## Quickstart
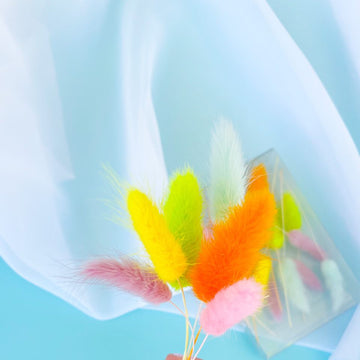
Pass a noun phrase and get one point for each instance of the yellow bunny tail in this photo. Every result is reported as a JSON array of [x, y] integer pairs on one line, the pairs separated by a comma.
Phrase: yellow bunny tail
[[262, 271], [165, 252]]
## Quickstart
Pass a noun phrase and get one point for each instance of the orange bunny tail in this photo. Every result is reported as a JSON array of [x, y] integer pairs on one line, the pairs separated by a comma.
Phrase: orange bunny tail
[[233, 251], [258, 178]]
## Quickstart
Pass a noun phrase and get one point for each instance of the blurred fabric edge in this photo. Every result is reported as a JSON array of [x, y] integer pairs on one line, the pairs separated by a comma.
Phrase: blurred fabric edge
[[49, 56]]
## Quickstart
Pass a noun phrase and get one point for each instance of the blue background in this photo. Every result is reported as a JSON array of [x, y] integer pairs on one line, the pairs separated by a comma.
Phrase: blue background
[[36, 325]]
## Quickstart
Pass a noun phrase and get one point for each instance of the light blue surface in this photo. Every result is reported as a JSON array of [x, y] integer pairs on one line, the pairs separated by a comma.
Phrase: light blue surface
[[37, 326]]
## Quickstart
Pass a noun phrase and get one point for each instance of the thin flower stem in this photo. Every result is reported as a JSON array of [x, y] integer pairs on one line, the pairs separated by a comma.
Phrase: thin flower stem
[[181, 312], [194, 327], [194, 343], [172, 303], [186, 320], [201, 346]]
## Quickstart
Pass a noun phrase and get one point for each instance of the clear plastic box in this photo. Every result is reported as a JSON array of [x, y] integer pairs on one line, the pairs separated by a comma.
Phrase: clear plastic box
[[310, 282]]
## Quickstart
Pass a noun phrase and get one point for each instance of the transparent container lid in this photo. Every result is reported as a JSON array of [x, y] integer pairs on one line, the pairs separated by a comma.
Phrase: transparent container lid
[[310, 282]]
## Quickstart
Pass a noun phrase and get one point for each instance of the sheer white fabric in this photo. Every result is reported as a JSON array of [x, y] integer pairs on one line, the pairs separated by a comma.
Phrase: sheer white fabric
[[346, 12], [137, 86]]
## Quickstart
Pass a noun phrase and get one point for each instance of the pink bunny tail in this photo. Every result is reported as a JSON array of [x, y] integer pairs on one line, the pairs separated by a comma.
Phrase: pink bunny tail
[[308, 276], [176, 357], [274, 302], [304, 243], [231, 305], [130, 276]]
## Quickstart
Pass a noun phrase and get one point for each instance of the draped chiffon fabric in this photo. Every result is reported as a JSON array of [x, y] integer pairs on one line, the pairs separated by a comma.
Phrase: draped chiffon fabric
[[137, 85]]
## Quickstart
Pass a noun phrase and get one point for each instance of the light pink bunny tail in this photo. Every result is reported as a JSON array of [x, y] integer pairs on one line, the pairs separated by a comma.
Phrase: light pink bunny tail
[[128, 275], [231, 305], [308, 276], [304, 243]]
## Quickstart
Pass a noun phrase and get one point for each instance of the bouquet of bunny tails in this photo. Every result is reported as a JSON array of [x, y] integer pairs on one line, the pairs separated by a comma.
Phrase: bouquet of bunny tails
[[213, 244]]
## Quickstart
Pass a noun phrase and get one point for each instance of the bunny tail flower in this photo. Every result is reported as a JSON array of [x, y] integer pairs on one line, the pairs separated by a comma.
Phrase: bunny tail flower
[[258, 178], [165, 252], [234, 249], [308, 277], [306, 244], [231, 305], [290, 213], [296, 289], [262, 271], [182, 209], [334, 282], [128, 275], [228, 171]]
